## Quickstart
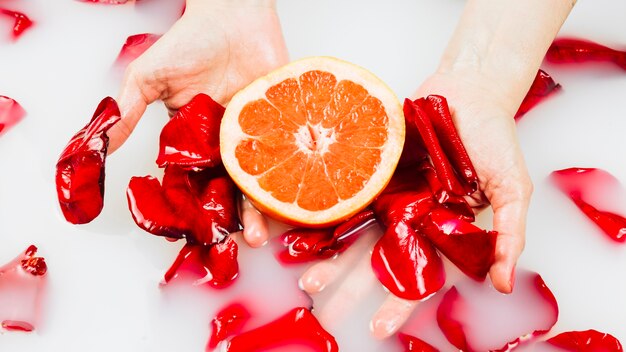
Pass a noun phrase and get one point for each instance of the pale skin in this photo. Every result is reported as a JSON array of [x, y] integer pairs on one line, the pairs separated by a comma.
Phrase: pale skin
[[220, 46]]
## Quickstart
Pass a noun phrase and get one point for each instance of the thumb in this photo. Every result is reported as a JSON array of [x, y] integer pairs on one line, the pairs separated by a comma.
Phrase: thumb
[[132, 101]]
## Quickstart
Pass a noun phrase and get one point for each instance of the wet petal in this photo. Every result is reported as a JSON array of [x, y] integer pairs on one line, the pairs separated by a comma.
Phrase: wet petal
[[571, 50], [134, 46], [586, 341], [80, 168], [191, 138], [543, 85], [228, 321], [22, 282], [10, 113], [22, 22]]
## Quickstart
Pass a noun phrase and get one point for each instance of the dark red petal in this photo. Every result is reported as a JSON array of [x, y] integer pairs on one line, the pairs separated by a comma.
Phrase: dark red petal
[[108, 2], [216, 196], [586, 341], [10, 113], [543, 85], [441, 119], [413, 344], [228, 321], [407, 264], [134, 46], [304, 245], [469, 247], [191, 138], [22, 282], [591, 189], [296, 328], [152, 211], [416, 115], [569, 50], [80, 169], [22, 22], [470, 312], [215, 264]]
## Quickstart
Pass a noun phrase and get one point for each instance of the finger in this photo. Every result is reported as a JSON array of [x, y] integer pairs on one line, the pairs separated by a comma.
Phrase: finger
[[132, 101], [353, 290], [509, 219], [255, 226], [324, 273], [391, 315]]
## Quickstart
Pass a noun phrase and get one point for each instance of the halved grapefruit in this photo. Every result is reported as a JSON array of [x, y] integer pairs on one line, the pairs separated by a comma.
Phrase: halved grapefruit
[[313, 142]]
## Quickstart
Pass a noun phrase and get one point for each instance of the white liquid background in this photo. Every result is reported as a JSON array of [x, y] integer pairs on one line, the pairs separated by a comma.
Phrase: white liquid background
[[103, 277]]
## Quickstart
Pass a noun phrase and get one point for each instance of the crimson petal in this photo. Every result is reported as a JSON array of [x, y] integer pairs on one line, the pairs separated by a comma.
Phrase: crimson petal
[[297, 327], [22, 22], [584, 184], [134, 46], [22, 281], [151, 210], [470, 312], [108, 2], [80, 168], [228, 321], [570, 50], [469, 247], [310, 244], [215, 264], [10, 113], [586, 341], [407, 264], [543, 85], [414, 344], [191, 138]]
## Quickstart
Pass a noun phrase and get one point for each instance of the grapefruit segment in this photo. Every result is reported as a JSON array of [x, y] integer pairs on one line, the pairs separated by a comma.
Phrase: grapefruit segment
[[313, 142]]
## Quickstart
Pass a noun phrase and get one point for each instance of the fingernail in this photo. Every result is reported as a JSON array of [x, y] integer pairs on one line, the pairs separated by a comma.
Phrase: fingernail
[[311, 285], [382, 328]]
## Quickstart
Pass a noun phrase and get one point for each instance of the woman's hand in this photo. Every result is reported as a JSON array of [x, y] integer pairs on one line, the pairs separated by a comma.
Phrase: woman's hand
[[217, 47]]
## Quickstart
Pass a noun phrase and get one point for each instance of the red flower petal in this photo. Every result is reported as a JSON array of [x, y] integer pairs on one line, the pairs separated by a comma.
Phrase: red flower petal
[[304, 244], [151, 210], [456, 238], [591, 189], [22, 22], [108, 2], [569, 50], [470, 313], [191, 138], [134, 46], [80, 169], [215, 264], [228, 321], [407, 264], [543, 85], [10, 113], [586, 341], [22, 281], [296, 328], [413, 344]]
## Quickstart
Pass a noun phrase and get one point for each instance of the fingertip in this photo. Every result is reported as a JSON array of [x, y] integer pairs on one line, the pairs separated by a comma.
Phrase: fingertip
[[502, 275], [315, 279], [255, 227], [392, 314]]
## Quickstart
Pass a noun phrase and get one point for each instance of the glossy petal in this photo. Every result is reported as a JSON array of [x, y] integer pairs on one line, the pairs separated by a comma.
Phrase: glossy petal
[[586, 341], [296, 328], [215, 264], [10, 113], [22, 22], [80, 168], [543, 86], [228, 321], [407, 264], [469, 247], [304, 244], [475, 317], [591, 189], [191, 138], [134, 46], [22, 282], [151, 209], [570, 50], [108, 2], [413, 344]]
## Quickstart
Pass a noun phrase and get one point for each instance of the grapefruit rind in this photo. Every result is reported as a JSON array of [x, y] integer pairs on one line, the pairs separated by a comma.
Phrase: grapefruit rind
[[231, 134]]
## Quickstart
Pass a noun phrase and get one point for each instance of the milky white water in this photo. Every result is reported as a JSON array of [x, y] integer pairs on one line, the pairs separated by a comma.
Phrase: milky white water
[[103, 291]]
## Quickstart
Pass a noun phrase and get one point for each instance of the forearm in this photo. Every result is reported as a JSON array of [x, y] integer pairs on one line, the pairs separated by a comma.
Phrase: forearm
[[504, 41]]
